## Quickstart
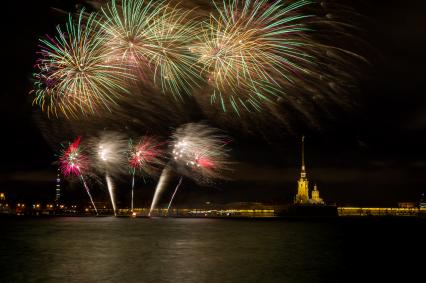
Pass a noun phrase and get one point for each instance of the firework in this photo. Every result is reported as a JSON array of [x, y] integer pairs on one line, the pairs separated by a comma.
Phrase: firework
[[162, 183], [248, 47], [74, 75], [109, 150], [129, 31], [73, 162], [145, 156], [199, 152], [154, 38], [111, 190], [110, 158], [174, 193]]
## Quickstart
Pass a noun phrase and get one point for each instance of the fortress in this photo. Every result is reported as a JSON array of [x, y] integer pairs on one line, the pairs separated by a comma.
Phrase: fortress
[[302, 196]]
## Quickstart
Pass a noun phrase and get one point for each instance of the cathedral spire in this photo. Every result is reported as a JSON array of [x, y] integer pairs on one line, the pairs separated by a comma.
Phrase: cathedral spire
[[302, 196], [303, 172]]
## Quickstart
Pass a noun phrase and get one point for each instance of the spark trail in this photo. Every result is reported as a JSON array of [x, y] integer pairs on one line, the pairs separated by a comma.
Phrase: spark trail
[[133, 193], [174, 193], [162, 182], [111, 192], [88, 192]]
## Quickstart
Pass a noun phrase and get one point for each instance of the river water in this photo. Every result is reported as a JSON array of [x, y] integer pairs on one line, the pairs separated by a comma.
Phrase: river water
[[108, 249]]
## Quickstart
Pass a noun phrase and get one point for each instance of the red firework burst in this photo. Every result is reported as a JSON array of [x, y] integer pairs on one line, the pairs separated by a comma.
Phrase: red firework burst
[[72, 161], [146, 154]]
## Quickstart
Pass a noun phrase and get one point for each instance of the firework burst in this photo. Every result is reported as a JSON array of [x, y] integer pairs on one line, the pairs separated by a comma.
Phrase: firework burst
[[248, 46], [74, 74], [110, 158], [73, 162], [200, 152], [109, 152], [153, 38], [146, 156], [128, 30]]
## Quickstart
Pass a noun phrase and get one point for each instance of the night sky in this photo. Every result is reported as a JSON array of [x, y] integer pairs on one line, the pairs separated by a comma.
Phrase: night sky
[[372, 156]]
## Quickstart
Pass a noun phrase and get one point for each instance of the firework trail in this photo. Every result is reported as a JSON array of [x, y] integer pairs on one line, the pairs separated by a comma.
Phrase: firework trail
[[133, 193], [73, 73], [199, 152], [88, 192], [110, 158], [111, 192], [162, 182], [146, 157], [174, 193], [72, 162], [152, 38]]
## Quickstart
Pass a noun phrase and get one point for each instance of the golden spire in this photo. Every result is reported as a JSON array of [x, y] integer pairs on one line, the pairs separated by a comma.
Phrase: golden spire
[[303, 172]]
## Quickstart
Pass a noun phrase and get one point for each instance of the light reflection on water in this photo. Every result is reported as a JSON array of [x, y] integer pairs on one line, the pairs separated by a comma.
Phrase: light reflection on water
[[109, 249]]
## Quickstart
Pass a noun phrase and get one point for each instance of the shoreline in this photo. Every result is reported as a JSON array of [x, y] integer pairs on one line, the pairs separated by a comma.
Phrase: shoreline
[[302, 218]]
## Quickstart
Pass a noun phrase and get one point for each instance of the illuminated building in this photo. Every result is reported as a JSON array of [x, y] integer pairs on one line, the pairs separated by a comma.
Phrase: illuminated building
[[303, 183], [4, 207], [316, 197], [381, 211], [406, 205], [302, 196], [422, 203], [58, 187], [20, 209]]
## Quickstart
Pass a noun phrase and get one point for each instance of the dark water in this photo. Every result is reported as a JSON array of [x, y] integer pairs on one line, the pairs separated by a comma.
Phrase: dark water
[[209, 250]]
